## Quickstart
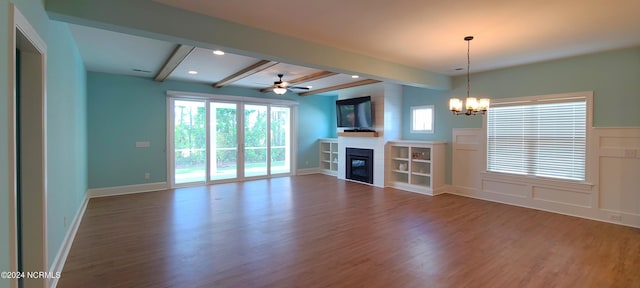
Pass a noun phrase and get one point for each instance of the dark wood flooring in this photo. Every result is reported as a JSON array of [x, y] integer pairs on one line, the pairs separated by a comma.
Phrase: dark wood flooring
[[318, 231]]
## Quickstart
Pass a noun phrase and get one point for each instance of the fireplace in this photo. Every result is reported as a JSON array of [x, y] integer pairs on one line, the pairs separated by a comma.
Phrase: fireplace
[[359, 165]]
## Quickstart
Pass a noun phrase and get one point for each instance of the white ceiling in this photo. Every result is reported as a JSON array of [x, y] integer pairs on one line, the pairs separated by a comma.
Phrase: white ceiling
[[119, 53], [427, 34]]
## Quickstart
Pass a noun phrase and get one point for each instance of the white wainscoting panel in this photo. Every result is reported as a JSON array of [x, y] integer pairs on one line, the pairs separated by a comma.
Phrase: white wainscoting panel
[[561, 196], [620, 184], [467, 159], [619, 174], [614, 195], [506, 188]]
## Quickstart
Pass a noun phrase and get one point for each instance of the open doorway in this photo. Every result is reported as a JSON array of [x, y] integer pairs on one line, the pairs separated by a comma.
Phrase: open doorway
[[27, 143]]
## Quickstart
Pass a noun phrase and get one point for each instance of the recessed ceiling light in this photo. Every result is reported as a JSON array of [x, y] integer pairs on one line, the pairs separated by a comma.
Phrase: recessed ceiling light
[[193, 72], [355, 76], [218, 52]]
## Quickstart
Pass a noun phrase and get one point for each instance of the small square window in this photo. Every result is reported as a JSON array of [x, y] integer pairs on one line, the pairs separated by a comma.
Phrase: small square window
[[422, 119]]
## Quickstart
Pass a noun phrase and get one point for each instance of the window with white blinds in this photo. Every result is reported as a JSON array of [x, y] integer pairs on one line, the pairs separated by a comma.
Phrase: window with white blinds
[[538, 138]]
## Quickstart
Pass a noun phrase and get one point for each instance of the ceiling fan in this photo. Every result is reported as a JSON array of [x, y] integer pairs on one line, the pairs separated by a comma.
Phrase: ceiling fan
[[280, 87]]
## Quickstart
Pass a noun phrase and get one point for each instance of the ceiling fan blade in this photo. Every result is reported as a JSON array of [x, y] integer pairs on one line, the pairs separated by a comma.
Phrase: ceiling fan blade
[[298, 87]]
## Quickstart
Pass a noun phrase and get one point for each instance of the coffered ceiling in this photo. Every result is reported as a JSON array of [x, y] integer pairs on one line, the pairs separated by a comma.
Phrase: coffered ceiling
[[119, 53], [425, 35]]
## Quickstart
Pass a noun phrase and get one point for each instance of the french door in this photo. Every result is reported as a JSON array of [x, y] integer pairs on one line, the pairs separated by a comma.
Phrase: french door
[[220, 141]]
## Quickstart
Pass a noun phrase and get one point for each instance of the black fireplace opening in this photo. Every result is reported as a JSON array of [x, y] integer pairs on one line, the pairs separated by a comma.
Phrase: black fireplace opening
[[359, 165]]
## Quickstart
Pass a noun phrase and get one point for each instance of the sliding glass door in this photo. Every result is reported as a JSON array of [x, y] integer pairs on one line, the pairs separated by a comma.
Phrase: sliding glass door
[[255, 140], [223, 141], [280, 148], [215, 141], [189, 141]]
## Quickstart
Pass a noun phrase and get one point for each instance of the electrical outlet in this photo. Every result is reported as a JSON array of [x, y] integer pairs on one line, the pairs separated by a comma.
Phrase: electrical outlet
[[615, 217], [147, 175]]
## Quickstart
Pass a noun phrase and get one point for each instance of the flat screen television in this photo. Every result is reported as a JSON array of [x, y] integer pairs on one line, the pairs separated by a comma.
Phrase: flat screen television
[[356, 114]]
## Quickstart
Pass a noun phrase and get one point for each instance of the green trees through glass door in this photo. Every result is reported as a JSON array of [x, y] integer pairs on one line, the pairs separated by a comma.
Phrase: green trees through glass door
[[267, 140]]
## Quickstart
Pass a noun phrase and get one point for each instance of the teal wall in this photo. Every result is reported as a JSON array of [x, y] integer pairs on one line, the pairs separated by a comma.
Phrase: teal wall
[[66, 129], [613, 76], [316, 119], [67, 133], [4, 141], [126, 109], [443, 119]]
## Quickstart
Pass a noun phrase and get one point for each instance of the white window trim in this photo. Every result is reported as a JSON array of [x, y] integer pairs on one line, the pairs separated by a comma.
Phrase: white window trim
[[589, 158], [218, 97], [433, 124]]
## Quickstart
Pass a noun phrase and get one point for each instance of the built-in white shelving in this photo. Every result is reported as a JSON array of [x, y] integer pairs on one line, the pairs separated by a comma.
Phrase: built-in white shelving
[[329, 156], [416, 166]]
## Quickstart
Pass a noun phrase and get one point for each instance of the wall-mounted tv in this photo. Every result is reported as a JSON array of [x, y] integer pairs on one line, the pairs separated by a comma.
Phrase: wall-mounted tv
[[355, 113]]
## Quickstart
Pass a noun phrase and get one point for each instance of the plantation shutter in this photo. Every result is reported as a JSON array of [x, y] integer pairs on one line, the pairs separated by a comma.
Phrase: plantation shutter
[[545, 139]]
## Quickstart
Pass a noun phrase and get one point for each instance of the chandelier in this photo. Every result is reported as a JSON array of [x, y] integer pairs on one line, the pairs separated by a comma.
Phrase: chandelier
[[473, 105]]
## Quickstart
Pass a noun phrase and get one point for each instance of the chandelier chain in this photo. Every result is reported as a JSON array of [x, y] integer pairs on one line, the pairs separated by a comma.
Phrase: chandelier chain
[[468, 66]]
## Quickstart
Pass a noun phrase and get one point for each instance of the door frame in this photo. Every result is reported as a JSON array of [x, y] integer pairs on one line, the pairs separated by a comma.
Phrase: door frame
[[33, 98], [241, 101], [171, 145]]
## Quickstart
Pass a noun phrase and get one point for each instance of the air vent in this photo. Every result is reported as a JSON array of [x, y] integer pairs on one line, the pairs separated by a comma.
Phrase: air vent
[[141, 71]]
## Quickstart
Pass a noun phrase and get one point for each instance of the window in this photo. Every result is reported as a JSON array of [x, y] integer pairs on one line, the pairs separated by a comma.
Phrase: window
[[422, 119], [542, 136]]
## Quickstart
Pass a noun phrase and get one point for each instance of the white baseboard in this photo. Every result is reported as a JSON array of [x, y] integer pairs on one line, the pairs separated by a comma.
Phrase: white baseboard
[[308, 171], [129, 189], [602, 215], [63, 252], [441, 190]]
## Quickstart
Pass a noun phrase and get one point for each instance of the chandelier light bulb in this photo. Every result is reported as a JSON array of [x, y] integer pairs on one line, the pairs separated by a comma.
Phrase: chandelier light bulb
[[455, 105], [472, 104], [484, 104]]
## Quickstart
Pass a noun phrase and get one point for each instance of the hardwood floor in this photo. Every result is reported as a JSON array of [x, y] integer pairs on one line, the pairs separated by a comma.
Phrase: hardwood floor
[[317, 231]]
